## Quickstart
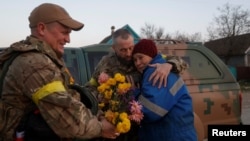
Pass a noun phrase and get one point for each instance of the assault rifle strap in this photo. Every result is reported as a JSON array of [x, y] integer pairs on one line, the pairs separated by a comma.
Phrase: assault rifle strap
[[5, 68]]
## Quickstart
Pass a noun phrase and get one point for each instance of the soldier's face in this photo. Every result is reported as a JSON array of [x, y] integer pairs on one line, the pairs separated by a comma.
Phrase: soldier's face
[[124, 48], [141, 61], [57, 35]]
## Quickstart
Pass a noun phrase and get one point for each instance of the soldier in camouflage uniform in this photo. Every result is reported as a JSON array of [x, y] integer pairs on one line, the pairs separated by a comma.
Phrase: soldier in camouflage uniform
[[120, 61], [38, 79]]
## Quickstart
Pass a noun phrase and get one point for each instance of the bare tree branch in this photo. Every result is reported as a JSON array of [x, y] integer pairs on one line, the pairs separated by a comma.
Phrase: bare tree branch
[[232, 21], [151, 32]]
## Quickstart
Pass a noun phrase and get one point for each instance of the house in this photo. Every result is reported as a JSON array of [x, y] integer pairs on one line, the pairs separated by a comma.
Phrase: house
[[108, 39], [234, 51]]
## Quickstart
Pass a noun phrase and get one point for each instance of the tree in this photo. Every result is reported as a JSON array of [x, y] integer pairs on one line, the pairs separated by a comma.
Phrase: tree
[[232, 21], [150, 31], [159, 33]]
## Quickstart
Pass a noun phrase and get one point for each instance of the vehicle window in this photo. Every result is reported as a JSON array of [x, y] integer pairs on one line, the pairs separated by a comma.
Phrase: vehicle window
[[200, 66], [94, 58]]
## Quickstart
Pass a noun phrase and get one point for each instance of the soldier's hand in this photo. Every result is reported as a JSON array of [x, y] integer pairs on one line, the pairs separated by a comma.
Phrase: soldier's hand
[[108, 129], [160, 74]]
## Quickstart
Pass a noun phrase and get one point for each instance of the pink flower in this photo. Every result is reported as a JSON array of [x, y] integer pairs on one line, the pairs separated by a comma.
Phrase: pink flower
[[137, 117], [103, 77], [135, 106], [136, 113]]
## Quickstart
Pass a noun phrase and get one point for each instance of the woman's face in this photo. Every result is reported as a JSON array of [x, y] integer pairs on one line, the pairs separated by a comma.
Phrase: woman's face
[[141, 61]]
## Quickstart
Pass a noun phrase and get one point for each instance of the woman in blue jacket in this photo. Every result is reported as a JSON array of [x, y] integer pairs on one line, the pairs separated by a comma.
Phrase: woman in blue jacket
[[168, 111]]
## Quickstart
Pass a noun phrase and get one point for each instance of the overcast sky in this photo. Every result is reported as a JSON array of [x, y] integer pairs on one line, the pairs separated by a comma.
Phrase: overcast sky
[[186, 16]]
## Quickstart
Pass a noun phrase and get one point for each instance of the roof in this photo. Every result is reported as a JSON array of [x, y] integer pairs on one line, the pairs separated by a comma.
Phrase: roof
[[108, 39], [237, 45]]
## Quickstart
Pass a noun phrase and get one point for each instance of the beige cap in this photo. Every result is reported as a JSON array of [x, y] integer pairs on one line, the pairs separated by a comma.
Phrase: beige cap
[[49, 12]]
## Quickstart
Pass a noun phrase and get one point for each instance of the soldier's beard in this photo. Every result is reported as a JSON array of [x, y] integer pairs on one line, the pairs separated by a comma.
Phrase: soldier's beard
[[125, 61]]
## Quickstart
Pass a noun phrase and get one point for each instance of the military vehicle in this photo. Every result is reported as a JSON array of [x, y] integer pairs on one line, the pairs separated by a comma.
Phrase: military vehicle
[[215, 92]]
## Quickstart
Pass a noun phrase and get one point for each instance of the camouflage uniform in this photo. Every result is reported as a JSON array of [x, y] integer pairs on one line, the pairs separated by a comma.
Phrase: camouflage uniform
[[111, 64], [38, 76]]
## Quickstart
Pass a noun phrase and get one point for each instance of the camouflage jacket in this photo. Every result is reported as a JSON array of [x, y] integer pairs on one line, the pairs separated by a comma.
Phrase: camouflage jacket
[[38, 76]]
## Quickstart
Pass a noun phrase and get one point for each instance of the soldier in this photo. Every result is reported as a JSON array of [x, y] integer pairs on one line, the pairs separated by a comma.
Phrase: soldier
[[120, 61], [36, 101]]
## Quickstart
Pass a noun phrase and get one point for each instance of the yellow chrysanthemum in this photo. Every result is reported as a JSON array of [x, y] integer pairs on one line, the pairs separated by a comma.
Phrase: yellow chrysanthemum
[[123, 116], [109, 115], [108, 94], [120, 78], [111, 81], [101, 105], [124, 126], [115, 117], [123, 88], [103, 87]]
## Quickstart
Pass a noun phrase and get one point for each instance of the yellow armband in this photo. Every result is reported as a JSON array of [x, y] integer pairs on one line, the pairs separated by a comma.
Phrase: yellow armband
[[50, 88]]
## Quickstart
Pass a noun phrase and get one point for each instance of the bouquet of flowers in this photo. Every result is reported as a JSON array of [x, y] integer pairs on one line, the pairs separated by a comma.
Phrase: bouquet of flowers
[[117, 102]]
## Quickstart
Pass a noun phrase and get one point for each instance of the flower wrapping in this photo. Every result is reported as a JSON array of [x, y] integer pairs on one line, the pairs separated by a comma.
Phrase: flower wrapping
[[117, 102]]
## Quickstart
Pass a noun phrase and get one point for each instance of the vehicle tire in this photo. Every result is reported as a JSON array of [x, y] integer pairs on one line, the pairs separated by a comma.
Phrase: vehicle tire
[[199, 127]]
